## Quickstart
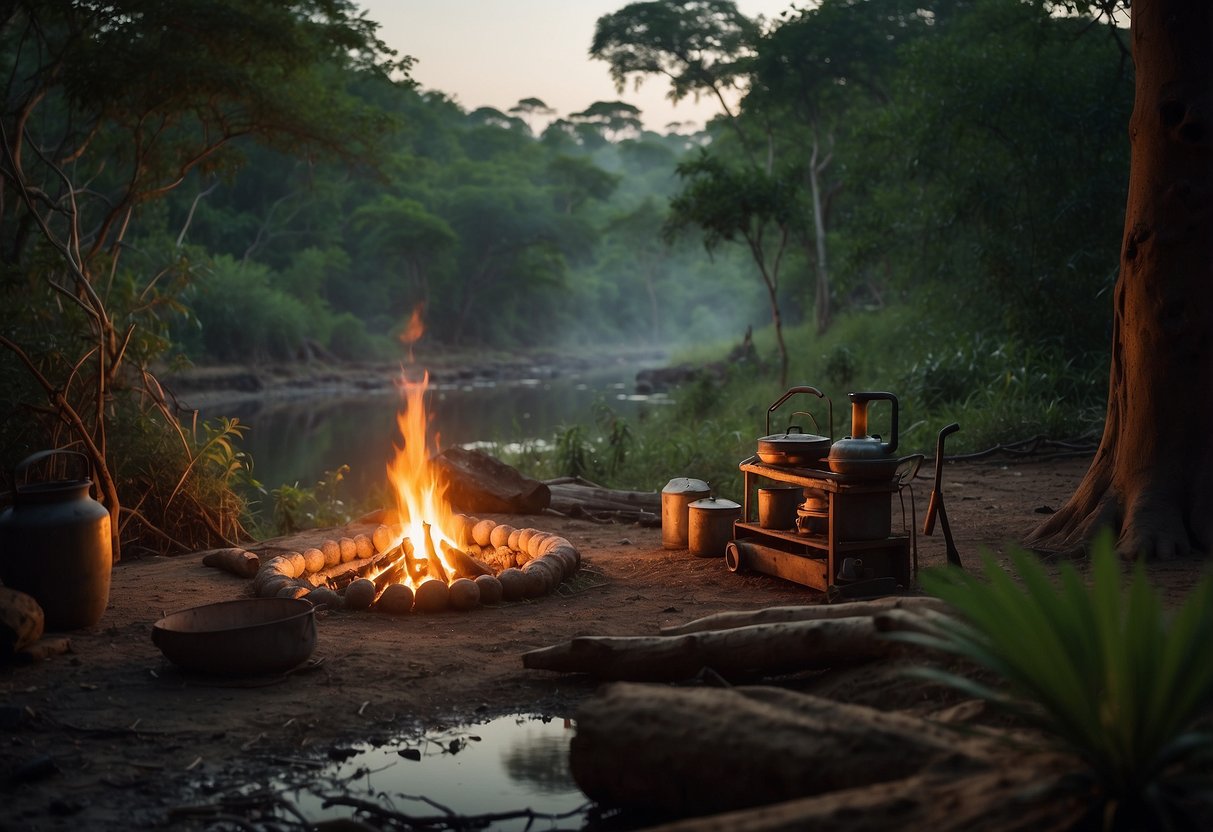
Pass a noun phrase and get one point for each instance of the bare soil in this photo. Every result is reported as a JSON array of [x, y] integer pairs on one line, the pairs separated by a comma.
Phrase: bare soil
[[111, 736]]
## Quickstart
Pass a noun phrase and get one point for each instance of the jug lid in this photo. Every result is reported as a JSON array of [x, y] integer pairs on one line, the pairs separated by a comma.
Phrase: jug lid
[[686, 485], [715, 504]]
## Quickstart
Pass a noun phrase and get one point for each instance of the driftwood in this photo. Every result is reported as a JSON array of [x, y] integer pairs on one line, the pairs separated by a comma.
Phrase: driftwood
[[738, 653], [479, 483], [807, 612], [709, 750]]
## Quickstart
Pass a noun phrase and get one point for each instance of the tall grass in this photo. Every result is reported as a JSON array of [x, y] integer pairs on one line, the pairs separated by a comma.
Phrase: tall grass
[[999, 390]]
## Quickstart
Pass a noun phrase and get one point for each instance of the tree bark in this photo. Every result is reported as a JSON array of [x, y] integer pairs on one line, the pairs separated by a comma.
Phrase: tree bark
[[1152, 478], [710, 750]]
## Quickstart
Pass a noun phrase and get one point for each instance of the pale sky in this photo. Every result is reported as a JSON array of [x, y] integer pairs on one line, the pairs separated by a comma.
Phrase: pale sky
[[496, 52]]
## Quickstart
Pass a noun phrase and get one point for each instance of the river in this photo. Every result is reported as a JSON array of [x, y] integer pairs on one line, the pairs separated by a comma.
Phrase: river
[[299, 439]]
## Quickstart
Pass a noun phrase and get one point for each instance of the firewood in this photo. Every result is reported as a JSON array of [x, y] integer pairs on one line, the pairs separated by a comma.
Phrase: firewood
[[21, 621], [236, 561], [807, 612], [737, 653], [715, 749], [465, 565], [478, 482]]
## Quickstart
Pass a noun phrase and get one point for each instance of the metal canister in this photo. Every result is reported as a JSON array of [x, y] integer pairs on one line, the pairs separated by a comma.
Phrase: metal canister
[[710, 525], [55, 546], [678, 494]]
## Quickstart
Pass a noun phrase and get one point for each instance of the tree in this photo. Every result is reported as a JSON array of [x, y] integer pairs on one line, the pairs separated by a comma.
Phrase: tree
[[750, 205], [808, 71], [1152, 478], [108, 108], [699, 45]]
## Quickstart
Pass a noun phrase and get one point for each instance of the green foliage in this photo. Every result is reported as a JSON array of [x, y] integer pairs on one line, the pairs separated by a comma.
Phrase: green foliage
[[321, 505], [1104, 671]]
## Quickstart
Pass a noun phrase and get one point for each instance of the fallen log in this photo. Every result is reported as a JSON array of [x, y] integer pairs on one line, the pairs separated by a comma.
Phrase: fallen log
[[1023, 794], [709, 750], [805, 612], [603, 499], [739, 653], [478, 482], [236, 561]]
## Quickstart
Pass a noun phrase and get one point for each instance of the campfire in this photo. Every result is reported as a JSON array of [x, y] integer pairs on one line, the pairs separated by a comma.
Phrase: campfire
[[430, 558]]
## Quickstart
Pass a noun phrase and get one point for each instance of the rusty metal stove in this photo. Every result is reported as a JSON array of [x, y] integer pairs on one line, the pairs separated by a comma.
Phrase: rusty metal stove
[[843, 542]]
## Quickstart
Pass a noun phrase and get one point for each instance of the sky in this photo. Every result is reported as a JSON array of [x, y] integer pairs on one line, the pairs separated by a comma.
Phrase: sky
[[496, 52]]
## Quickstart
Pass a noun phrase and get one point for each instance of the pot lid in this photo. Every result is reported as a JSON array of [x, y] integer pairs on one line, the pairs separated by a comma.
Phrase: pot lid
[[686, 485], [794, 438], [715, 504]]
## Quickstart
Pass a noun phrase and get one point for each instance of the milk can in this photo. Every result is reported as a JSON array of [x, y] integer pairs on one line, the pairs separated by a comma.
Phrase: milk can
[[55, 546], [678, 494], [710, 526]]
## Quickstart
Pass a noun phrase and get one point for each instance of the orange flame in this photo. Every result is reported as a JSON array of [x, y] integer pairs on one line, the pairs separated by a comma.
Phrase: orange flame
[[425, 515]]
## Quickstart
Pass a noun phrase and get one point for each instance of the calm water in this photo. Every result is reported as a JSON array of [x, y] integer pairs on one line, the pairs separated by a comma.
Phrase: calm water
[[507, 765], [298, 440]]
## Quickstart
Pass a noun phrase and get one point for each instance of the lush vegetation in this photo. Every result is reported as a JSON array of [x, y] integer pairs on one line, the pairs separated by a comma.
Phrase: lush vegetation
[[924, 197], [1103, 671]]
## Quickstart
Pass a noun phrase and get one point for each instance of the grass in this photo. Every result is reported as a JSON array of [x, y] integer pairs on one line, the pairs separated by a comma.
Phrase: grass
[[998, 391]]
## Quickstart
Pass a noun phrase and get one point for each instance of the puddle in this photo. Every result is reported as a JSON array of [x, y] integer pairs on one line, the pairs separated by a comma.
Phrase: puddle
[[508, 765]]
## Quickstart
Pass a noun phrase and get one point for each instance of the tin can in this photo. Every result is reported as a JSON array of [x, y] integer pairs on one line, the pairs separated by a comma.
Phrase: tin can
[[676, 497]]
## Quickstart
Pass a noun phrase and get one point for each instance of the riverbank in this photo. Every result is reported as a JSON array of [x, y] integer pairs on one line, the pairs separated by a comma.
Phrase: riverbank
[[207, 387]]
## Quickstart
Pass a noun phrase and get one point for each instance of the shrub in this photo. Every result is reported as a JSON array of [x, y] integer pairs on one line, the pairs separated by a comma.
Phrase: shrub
[[1105, 673]]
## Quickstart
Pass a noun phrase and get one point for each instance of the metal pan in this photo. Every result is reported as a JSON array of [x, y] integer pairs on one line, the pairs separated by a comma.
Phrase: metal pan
[[239, 638]]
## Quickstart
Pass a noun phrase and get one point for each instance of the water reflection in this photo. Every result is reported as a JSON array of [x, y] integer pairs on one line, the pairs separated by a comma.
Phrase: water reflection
[[507, 765], [298, 440]]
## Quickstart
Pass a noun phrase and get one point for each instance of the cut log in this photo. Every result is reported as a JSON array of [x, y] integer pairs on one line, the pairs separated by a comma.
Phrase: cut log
[[1007, 799], [236, 561], [709, 750], [740, 653], [21, 621], [806, 612], [479, 483]]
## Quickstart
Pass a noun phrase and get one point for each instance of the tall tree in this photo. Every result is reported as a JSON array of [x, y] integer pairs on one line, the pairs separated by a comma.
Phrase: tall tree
[[1152, 477], [111, 106], [741, 205], [699, 45]]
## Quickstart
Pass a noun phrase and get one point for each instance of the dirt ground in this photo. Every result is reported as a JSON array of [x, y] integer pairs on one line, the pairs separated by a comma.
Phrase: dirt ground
[[111, 736]]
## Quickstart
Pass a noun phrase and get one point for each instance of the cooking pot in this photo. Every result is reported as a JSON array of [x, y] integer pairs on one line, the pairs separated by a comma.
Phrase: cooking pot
[[777, 506], [239, 638], [793, 446]]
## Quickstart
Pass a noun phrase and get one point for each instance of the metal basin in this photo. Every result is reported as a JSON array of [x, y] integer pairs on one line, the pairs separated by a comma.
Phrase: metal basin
[[239, 638]]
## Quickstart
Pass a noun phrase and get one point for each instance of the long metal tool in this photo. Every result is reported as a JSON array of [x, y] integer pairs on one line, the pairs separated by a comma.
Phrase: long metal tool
[[935, 506]]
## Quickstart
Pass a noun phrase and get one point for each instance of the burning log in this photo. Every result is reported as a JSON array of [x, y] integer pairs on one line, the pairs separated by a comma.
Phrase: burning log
[[465, 565]]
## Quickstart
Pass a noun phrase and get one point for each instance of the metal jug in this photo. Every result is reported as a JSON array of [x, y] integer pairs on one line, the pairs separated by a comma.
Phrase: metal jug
[[55, 546]]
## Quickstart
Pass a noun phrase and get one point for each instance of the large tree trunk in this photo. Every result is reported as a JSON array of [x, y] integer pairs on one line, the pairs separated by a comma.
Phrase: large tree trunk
[[1152, 478]]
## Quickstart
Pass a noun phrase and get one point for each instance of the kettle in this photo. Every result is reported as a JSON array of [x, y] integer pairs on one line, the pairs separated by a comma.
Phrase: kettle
[[860, 454]]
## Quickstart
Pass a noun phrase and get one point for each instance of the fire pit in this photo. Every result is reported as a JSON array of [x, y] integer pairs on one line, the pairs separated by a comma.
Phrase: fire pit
[[492, 562], [433, 559]]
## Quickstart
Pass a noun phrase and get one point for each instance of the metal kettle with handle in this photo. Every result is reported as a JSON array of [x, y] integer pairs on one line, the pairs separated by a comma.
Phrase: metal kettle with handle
[[860, 454]]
